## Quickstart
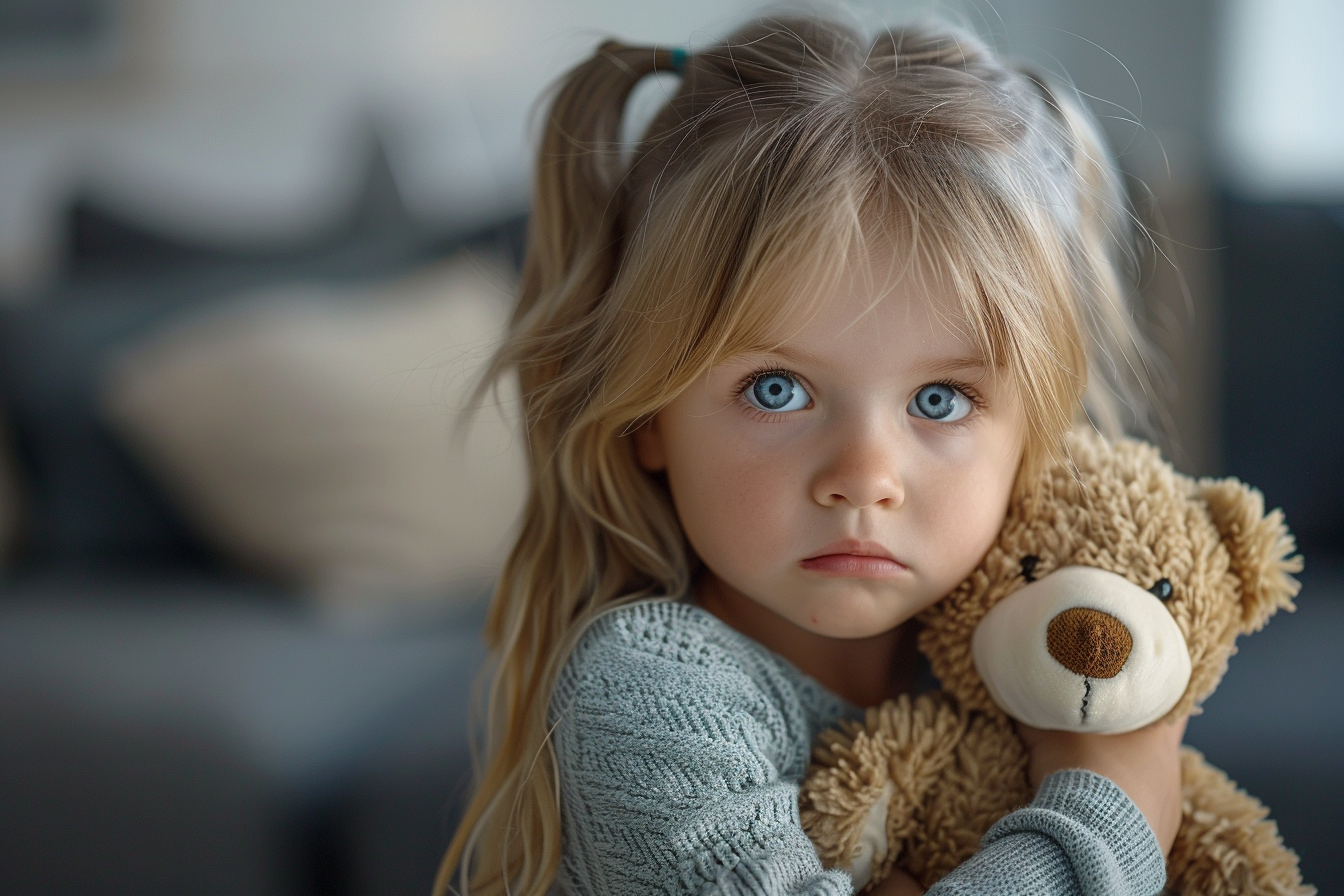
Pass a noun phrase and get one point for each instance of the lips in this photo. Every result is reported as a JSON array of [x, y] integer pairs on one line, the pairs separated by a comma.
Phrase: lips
[[854, 547], [851, 557]]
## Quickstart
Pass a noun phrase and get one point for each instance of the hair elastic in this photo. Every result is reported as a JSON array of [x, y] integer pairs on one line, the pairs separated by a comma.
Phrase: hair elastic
[[678, 59]]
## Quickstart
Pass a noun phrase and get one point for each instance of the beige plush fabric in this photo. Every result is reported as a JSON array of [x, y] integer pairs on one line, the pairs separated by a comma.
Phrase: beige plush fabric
[[313, 433]]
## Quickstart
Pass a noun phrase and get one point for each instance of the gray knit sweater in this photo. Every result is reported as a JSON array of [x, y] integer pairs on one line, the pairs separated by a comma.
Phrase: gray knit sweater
[[681, 743]]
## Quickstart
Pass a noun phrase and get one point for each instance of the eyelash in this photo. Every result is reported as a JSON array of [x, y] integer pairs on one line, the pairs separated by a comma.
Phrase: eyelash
[[965, 388], [976, 400], [754, 412]]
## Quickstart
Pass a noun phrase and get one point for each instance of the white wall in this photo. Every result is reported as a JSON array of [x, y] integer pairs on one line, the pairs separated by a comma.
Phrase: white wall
[[247, 122], [1281, 98]]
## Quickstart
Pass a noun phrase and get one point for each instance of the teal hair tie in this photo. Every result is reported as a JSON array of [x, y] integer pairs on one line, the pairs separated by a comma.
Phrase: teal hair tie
[[678, 59]]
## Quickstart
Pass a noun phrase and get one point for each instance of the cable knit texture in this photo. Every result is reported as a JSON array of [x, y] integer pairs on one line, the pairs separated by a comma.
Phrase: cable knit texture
[[680, 744]]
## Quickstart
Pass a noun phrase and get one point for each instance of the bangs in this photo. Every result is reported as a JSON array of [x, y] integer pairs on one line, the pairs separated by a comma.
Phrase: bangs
[[730, 260], [991, 235], [787, 274]]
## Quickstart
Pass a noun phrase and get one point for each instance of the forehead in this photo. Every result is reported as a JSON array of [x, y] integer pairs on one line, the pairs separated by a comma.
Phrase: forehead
[[883, 303]]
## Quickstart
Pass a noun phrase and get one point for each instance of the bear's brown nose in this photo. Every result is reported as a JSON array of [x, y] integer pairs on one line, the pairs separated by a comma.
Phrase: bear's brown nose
[[1089, 642]]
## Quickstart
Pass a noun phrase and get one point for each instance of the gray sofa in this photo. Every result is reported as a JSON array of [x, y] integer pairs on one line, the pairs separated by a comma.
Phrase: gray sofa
[[171, 725], [177, 734]]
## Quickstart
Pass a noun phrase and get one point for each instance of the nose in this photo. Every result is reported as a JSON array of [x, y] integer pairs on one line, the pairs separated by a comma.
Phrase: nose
[[1089, 642], [862, 473]]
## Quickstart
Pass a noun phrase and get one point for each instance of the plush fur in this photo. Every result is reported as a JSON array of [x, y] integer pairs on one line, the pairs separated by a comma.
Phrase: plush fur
[[921, 780]]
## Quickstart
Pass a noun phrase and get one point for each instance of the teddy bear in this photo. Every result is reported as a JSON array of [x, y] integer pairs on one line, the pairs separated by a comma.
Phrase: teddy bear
[[1111, 598]]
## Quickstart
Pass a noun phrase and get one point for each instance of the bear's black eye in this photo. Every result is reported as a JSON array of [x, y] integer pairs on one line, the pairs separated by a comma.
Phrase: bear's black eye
[[1161, 589], [1029, 563]]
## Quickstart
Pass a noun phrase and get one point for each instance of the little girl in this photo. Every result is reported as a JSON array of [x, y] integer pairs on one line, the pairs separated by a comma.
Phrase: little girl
[[780, 367]]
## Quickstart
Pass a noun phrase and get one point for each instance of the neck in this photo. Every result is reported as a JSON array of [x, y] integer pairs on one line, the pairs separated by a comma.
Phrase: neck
[[864, 671]]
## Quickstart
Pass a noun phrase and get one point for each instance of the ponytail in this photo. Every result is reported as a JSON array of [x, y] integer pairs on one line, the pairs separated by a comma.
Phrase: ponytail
[[508, 840], [574, 234]]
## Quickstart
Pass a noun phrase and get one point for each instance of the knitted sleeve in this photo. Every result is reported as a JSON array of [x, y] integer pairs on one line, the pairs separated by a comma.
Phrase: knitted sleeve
[[1080, 836], [678, 763]]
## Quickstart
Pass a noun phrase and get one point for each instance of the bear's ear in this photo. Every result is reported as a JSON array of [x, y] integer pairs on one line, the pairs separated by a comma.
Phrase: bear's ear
[[1261, 547]]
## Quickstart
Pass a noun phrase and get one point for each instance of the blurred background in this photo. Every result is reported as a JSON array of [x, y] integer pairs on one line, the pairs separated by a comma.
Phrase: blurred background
[[252, 254]]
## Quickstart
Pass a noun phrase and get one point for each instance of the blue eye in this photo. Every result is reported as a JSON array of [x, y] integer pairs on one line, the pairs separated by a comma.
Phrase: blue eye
[[941, 402], [777, 392]]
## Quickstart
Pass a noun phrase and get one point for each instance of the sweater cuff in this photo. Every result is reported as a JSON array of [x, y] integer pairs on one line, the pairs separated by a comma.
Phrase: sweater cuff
[[1108, 842]]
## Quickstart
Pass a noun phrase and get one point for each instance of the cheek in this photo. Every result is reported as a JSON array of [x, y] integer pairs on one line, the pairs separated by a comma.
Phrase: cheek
[[731, 503], [981, 515], [966, 510]]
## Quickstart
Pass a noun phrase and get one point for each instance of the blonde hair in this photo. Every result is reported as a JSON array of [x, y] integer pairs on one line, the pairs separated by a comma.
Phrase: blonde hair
[[784, 149]]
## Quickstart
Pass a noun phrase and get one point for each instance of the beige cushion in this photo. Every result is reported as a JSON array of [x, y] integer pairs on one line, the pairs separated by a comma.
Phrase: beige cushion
[[312, 433]]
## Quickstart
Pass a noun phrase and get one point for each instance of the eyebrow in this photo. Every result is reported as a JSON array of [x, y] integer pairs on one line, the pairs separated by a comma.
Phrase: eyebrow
[[953, 365], [933, 366], [793, 355]]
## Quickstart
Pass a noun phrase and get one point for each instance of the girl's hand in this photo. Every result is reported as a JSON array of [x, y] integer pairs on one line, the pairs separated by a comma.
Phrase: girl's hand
[[898, 883], [1144, 764]]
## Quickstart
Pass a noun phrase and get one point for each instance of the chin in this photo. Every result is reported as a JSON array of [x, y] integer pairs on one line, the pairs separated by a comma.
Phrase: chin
[[859, 633], [849, 623]]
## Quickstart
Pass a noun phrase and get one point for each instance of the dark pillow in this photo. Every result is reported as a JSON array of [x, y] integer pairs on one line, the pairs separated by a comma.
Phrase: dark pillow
[[88, 503]]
